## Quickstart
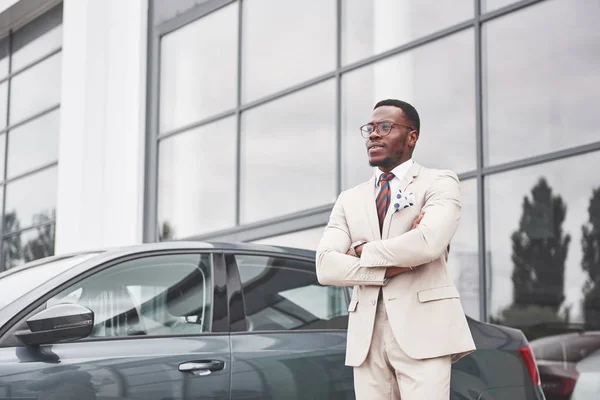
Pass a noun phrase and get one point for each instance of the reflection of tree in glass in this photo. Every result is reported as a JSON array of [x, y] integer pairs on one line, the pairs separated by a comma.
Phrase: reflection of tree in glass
[[12, 244], [166, 232], [539, 253], [42, 245], [590, 243]]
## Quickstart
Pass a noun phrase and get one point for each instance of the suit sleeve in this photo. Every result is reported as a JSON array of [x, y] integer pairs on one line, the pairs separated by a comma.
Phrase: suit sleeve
[[334, 266], [429, 240]]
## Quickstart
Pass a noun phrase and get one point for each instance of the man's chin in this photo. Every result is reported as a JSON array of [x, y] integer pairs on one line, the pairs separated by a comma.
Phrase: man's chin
[[379, 163]]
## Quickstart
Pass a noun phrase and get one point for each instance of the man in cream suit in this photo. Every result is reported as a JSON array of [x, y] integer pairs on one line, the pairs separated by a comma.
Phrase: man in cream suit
[[406, 323]]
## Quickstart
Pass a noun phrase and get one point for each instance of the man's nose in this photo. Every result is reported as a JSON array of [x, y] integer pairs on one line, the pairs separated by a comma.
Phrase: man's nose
[[375, 133]]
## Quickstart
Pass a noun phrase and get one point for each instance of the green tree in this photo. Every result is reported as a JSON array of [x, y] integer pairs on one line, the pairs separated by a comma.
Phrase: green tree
[[539, 251], [590, 244]]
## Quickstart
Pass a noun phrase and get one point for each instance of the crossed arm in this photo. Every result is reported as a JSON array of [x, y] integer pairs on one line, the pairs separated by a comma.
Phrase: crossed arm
[[393, 271], [379, 260]]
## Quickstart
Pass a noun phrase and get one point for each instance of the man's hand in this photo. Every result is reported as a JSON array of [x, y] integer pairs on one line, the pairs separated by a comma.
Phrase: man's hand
[[393, 271], [358, 250], [417, 220]]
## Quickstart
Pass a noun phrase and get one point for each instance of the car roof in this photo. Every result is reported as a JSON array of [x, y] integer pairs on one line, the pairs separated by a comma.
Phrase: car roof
[[208, 245], [119, 251]]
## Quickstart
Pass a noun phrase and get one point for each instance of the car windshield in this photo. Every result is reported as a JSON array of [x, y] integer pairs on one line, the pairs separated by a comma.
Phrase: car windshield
[[16, 282]]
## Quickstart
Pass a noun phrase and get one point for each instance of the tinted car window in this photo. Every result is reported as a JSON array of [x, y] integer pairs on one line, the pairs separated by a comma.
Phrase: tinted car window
[[159, 295], [284, 294]]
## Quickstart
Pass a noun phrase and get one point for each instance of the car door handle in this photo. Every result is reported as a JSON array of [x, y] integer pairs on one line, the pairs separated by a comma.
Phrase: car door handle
[[202, 368]]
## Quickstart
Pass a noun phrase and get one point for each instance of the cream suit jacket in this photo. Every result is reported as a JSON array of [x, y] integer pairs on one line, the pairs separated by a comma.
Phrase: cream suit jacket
[[423, 305]]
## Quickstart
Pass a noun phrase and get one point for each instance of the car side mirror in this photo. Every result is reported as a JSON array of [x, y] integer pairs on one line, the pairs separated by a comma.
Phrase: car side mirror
[[59, 323]]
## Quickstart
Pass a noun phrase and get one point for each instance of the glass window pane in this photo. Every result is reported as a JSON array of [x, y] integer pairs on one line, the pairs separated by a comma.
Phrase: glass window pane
[[463, 261], [286, 43], [37, 39], [42, 79], [491, 5], [3, 105], [28, 245], [2, 187], [307, 239], [3, 57], [2, 154], [443, 93], [541, 83], [196, 180], [162, 11], [198, 69], [160, 295], [31, 200], [373, 27], [33, 144], [543, 242], [288, 154], [284, 294], [37, 48]]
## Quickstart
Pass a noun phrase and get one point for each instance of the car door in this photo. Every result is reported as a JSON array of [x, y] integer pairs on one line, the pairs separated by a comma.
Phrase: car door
[[160, 332], [288, 332]]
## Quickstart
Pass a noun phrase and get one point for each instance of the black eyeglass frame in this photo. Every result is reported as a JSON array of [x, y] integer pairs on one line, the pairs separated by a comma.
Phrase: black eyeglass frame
[[376, 128]]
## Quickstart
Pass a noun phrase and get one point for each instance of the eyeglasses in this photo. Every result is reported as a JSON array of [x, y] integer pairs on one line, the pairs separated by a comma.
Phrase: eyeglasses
[[384, 128]]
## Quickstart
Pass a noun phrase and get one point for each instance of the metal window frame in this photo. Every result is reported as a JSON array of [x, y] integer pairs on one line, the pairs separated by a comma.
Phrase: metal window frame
[[318, 216]]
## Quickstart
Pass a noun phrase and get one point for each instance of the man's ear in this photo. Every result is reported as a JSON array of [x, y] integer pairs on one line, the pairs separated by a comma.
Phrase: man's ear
[[413, 136]]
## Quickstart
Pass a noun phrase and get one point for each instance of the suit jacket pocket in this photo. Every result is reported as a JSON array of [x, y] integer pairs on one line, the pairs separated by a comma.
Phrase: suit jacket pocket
[[438, 293]]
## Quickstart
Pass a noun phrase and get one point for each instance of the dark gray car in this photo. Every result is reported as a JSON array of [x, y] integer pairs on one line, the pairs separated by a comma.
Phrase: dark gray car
[[188, 320]]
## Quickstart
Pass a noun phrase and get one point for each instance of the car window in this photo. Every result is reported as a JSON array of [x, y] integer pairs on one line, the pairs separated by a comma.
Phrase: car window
[[284, 294], [158, 295]]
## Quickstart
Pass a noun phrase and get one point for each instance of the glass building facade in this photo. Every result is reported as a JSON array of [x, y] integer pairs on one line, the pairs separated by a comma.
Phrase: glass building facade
[[30, 83], [256, 104], [253, 131]]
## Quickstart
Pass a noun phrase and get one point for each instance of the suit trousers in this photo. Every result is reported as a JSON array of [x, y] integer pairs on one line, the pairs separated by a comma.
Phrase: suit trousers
[[389, 373]]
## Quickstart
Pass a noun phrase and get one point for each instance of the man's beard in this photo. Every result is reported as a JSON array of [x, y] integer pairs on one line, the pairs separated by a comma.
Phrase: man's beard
[[386, 163]]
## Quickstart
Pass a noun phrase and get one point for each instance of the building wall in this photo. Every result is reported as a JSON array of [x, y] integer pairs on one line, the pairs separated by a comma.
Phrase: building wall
[[101, 169]]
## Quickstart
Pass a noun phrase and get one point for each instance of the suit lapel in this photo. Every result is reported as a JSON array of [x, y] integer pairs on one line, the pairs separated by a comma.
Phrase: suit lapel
[[368, 194], [409, 177]]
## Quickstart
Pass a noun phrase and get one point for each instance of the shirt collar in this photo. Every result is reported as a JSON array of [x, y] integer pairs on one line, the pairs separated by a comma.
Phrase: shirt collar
[[398, 172]]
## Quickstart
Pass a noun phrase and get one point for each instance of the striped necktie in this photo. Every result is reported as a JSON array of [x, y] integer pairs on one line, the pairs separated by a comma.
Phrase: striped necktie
[[383, 198]]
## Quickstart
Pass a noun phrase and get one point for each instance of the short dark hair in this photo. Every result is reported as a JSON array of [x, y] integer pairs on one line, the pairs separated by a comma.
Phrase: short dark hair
[[409, 110]]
